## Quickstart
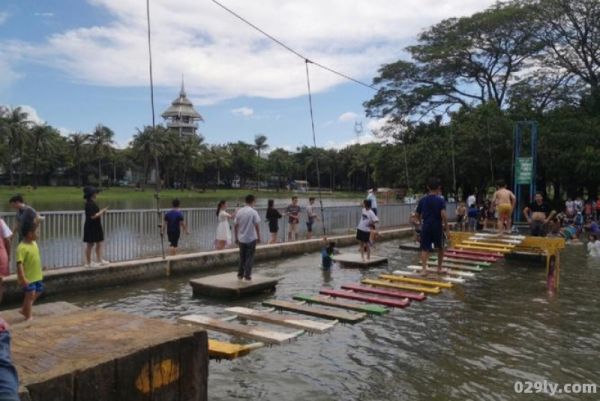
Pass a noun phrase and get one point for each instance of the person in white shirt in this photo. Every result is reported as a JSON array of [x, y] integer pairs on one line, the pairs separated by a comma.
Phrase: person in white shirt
[[471, 200], [247, 235], [593, 246], [5, 236], [368, 222]]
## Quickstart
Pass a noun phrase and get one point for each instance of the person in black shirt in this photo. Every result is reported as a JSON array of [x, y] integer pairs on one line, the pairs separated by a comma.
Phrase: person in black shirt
[[272, 218], [538, 214], [93, 234]]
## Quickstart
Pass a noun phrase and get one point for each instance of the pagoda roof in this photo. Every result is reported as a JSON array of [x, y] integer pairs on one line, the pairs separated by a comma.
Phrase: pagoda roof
[[182, 107]]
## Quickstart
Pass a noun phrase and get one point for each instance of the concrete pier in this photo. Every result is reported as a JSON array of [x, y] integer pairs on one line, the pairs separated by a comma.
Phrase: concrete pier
[[229, 286], [59, 281], [101, 355]]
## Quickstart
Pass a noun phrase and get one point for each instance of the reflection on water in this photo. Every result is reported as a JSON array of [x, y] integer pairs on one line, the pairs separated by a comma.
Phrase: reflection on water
[[472, 343]]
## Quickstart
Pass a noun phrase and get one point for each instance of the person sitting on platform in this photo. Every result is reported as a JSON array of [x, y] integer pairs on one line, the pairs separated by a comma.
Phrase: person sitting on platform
[[538, 214], [432, 211], [593, 246], [29, 269]]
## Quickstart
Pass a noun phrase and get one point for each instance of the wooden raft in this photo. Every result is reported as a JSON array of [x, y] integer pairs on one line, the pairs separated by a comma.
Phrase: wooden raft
[[229, 286], [342, 316], [354, 260]]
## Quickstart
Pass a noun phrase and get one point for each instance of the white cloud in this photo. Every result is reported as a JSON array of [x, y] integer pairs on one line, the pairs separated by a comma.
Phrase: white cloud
[[44, 15], [32, 114], [243, 112], [3, 17], [348, 116], [222, 58]]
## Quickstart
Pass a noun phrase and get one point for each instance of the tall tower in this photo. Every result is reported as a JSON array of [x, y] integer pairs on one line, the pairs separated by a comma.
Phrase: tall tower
[[181, 115]]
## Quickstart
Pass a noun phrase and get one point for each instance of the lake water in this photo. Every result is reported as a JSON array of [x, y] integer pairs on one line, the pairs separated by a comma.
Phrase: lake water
[[467, 344]]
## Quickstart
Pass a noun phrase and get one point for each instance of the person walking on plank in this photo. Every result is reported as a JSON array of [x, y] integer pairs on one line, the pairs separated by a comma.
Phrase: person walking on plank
[[504, 201], [432, 211]]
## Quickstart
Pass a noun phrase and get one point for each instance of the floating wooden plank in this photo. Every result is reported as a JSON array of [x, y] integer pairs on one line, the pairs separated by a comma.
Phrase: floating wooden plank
[[414, 296], [225, 350], [229, 286], [336, 303], [241, 330], [400, 286], [490, 244], [496, 240], [342, 316], [489, 235], [419, 281], [448, 272], [410, 273], [460, 261], [488, 259], [394, 303], [484, 248], [456, 266], [474, 252], [283, 320], [354, 260]]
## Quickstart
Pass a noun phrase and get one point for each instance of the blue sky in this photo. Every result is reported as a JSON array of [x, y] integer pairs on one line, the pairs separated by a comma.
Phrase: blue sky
[[77, 63]]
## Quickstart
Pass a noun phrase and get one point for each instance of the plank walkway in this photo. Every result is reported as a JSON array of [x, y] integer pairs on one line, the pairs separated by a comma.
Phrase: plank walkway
[[411, 273], [342, 316], [400, 286], [419, 281], [459, 273], [414, 296]]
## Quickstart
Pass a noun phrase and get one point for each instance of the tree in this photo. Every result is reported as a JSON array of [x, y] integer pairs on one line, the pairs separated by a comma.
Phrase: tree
[[15, 126], [101, 140], [260, 144], [77, 144], [45, 143]]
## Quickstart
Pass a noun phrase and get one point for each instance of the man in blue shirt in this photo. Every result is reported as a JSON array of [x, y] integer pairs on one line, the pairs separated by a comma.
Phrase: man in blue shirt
[[174, 223], [432, 212]]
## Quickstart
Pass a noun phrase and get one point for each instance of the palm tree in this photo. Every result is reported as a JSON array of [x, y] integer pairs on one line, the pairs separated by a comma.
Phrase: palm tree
[[221, 157], [44, 141], [260, 144], [15, 124], [144, 145], [77, 143], [101, 140]]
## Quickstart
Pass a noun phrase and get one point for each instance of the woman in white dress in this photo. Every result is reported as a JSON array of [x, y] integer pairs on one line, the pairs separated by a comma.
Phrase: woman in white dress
[[223, 229]]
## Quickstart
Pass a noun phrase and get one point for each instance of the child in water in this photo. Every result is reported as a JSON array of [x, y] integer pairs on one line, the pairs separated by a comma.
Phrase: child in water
[[593, 246], [327, 253]]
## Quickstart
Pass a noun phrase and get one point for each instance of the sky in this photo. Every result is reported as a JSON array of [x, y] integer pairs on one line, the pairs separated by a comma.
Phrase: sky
[[77, 63]]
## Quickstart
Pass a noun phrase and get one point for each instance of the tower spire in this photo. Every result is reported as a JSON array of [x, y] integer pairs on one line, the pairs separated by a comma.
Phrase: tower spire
[[182, 92]]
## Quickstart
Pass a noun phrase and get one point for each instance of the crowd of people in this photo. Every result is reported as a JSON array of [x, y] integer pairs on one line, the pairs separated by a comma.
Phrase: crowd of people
[[577, 222]]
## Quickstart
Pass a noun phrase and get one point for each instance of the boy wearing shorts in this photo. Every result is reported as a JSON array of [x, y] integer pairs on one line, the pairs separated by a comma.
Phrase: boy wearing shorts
[[311, 217], [293, 213], [29, 269], [174, 223], [505, 202], [432, 211]]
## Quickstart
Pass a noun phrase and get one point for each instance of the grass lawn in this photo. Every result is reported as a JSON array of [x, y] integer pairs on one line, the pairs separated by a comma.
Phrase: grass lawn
[[70, 194]]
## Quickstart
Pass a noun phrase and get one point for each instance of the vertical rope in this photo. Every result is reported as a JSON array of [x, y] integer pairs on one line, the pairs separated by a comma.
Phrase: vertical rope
[[156, 164], [312, 122]]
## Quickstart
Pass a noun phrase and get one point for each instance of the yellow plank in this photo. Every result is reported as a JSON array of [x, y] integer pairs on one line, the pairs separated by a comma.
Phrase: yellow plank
[[398, 286], [490, 244], [483, 248], [412, 280], [223, 350]]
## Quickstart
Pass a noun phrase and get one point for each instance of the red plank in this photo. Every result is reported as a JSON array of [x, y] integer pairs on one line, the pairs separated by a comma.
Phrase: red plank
[[395, 303], [471, 257], [415, 296], [475, 253]]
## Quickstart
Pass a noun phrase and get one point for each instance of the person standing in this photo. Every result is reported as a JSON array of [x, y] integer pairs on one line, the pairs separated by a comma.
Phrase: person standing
[[293, 213], [247, 235], [9, 379], [29, 269], [371, 195], [538, 214], [504, 201], [368, 221], [174, 223], [223, 229], [432, 211], [471, 200], [311, 217], [26, 215], [93, 234], [461, 217], [5, 234], [272, 218]]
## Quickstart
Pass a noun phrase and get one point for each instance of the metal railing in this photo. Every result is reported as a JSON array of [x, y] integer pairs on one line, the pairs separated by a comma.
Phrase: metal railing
[[134, 234]]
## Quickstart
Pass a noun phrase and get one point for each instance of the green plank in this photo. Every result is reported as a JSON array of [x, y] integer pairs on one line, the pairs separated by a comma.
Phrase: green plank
[[337, 303]]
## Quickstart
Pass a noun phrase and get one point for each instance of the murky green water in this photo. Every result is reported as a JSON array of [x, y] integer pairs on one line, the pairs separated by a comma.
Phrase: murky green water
[[467, 344]]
